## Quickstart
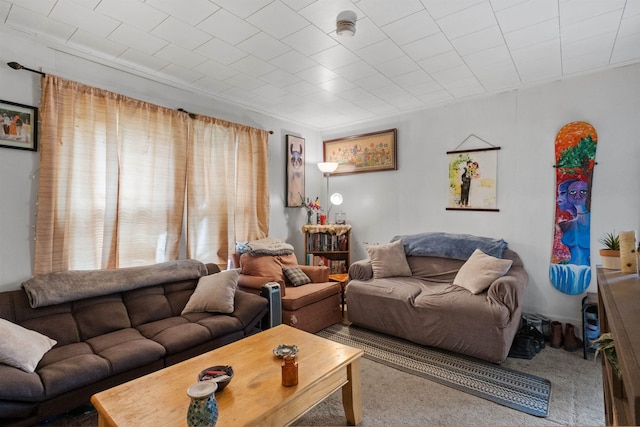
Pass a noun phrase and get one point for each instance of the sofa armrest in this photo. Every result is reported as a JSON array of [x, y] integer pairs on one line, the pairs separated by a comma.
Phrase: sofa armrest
[[256, 282], [361, 270], [509, 289], [316, 273]]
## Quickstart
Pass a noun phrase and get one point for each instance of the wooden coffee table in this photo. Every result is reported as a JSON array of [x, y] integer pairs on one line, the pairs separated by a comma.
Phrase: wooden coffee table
[[255, 395]]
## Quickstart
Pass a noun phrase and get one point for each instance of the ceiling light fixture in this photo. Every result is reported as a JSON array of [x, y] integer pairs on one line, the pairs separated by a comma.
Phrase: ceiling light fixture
[[346, 23]]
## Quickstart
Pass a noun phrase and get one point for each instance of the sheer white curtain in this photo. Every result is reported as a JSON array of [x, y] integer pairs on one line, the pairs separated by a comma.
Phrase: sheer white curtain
[[114, 172]]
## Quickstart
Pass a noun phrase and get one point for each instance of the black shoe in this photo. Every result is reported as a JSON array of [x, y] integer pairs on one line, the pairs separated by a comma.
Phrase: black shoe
[[523, 347]]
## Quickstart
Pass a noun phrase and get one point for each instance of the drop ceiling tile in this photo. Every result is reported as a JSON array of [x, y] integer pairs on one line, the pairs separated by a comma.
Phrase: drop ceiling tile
[[335, 57], [503, 4], [179, 74], [4, 10], [309, 41], [467, 21], [411, 28], [215, 70], [253, 66], [130, 36], [385, 12], [293, 61], [298, 4], [303, 88], [34, 23], [323, 13], [280, 78], [439, 8], [141, 60], [479, 41], [242, 8], [441, 62], [193, 15], [425, 88], [237, 95], [269, 91], [435, 97], [76, 15], [373, 82], [538, 62], [264, 46], [180, 33], [245, 82], [631, 9], [388, 92], [428, 47], [99, 46], [629, 26], [359, 96], [498, 77], [397, 66], [337, 85], [591, 27], [221, 52], [317, 74], [599, 46], [356, 71], [134, 13], [573, 11], [211, 85], [322, 97], [278, 20], [380, 52], [228, 27], [406, 102], [181, 56], [412, 79], [468, 87], [452, 77], [487, 57], [42, 7], [534, 34], [627, 48], [526, 14]]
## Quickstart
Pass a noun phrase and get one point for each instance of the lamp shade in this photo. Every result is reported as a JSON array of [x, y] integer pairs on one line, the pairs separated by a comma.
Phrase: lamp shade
[[327, 167]]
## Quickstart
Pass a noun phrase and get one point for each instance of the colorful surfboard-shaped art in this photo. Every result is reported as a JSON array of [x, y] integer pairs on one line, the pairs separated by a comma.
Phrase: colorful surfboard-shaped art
[[575, 149]]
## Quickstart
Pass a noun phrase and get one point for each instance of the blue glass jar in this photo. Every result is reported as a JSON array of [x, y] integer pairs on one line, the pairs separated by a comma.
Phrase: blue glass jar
[[203, 409]]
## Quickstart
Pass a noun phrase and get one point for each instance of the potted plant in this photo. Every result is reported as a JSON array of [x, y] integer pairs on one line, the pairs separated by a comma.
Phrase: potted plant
[[610, 254]]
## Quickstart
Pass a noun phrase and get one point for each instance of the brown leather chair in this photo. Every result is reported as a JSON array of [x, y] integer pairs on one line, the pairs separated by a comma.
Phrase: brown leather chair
[[311, 307]]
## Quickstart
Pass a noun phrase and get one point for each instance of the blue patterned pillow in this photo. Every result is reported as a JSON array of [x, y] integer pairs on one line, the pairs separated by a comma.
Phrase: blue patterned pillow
[[296, 276]]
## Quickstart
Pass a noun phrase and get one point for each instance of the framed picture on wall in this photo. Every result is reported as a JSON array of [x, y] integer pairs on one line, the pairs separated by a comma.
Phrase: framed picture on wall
[[19, 126], [369, 152], [295, 170], [472, 179]]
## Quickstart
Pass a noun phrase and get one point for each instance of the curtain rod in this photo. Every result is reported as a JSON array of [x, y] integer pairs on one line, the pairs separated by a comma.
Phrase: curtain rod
[[193, 116], [17, 66]]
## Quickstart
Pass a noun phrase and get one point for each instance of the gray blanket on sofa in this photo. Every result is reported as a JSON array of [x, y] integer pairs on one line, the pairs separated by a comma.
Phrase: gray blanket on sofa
[[65, 286], [449, 245]]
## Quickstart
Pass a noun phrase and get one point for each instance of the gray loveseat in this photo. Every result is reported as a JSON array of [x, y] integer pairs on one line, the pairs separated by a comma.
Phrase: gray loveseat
[[134, 328], [423, 305]]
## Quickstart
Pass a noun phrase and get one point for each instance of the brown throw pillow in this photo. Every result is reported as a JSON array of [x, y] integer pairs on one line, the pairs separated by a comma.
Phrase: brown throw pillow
[[480, 271], [388, 260]]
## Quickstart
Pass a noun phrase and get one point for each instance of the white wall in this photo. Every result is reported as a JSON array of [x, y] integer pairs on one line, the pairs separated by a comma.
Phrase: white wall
[[524, 124], [381, 205]]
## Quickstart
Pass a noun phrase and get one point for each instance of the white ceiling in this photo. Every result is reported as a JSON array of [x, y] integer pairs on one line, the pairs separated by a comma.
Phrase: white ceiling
[[283, 57]]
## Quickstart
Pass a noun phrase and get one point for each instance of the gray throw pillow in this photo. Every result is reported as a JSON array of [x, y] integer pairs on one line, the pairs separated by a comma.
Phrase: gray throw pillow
[[22, 348], [388, 260], [480, 271], [215, 293]]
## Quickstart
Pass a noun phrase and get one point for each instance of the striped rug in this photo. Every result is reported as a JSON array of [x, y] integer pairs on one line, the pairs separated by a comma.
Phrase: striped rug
[[516, 390]]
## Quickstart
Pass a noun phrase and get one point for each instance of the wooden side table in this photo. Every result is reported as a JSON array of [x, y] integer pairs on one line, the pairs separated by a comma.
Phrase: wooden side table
[[343, 279]]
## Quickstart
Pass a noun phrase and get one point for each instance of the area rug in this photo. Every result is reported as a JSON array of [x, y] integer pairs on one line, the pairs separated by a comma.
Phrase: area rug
[[523, 392]]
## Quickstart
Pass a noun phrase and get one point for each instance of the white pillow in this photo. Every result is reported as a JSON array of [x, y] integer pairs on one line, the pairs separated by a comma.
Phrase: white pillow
[[388, 260], [22, 348], [214, 293], [480, 271]]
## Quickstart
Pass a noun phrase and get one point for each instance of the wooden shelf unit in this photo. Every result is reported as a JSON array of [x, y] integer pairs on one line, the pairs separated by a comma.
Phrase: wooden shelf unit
[[619, 313], [328, 244]]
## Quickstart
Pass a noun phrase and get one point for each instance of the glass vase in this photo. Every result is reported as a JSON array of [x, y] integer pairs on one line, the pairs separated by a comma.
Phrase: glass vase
[[203, 409]]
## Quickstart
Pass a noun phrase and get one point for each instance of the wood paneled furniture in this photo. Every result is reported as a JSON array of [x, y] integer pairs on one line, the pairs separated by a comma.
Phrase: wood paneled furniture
[[619, 313], [255, 395], [329, 244]]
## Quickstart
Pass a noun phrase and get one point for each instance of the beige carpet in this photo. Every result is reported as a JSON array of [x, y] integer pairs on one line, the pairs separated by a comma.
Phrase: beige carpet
[[394, 398]]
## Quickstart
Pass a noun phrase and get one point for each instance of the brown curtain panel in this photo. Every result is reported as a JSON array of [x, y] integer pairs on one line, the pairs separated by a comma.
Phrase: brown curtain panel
[[117, 176]]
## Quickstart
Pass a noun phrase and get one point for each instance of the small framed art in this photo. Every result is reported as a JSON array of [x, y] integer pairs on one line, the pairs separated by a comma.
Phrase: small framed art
[[295, 171], [18, 126]]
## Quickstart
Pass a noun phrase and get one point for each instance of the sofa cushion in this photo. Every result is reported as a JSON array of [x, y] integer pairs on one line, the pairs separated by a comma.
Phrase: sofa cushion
[[480, 271], [16, 384], [100, 315], [388, 260], [214, 293], [22, 348], [267, 266], [302, 296], [175, 334], [296, 276], [126, 349]]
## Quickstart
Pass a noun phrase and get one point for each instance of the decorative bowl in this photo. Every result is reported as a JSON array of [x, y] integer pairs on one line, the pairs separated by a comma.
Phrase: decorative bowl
[[285, 350], [219, 373]]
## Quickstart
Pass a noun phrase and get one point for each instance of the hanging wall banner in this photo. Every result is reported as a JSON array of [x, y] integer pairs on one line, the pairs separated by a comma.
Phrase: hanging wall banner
[[473, 179], [575, 151]]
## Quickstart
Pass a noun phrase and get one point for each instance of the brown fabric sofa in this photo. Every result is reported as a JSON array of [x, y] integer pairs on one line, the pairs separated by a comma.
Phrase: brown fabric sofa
[[425, 307], [311, 307], [109, 339]]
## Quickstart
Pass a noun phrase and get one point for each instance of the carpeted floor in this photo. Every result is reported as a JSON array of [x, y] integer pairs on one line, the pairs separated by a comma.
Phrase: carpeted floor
[[394, 397]]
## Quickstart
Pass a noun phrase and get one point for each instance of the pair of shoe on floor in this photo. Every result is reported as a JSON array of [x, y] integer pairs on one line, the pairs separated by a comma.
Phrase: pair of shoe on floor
[[527, 343], [568, 340]]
